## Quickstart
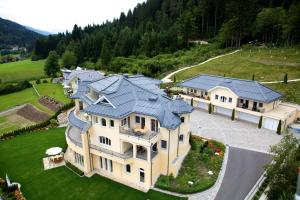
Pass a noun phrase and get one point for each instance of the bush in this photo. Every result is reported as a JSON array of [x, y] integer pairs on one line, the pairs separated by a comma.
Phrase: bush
[[45, 81], [210, 108], [279, 128], [205, 144], [192, 142], [38, 81], [74, 169], [260, 122], [53, 122], [14, 87]]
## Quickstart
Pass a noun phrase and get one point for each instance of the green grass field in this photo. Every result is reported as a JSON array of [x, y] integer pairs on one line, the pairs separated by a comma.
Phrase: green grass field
[[291, 91], [21, 159], [25, 69], [29, 96], [265, 64]]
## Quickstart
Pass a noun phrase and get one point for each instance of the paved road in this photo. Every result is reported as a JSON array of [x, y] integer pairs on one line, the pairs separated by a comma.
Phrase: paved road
[[244, 167]]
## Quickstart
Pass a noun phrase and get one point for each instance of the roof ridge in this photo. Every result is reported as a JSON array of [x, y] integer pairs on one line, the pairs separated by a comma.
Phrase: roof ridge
[[107, 85], [261, 90]]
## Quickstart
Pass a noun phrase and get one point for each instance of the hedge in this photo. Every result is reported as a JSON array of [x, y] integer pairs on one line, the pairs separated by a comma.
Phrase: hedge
[[32, 128], [8, 88]]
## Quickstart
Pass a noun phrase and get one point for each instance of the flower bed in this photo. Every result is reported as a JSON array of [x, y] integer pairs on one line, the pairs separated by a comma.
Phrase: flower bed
[[199, 170]]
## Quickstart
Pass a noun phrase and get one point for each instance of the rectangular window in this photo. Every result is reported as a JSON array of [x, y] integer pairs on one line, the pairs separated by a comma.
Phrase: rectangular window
[[181, 137], [103, 122], [142, 175], [230, 100], [261, 105], [111, 165], [78, 159], [105, 161], [101, 163], [137, 119], [154, 125], [104, 140], [182, 119], [163, 144], [242, 100], [128, 168], [112, 123], [205, 93], [124, 121], [216, 97]]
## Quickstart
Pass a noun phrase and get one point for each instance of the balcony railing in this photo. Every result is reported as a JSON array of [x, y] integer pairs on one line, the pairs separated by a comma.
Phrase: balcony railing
[[143, 155], [126, 155], [73, 134], [247, 107], [195, 95], [147, 135]]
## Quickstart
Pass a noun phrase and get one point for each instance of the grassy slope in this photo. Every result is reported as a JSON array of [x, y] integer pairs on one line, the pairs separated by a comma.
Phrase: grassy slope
[[252, 61], [21, 159], [291, 91], [25, 69], [29, 96]]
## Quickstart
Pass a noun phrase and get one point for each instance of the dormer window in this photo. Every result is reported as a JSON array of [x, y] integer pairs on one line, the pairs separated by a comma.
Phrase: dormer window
[[104, 101]]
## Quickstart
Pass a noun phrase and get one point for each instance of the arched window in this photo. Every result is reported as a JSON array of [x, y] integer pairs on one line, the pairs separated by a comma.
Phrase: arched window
[[103, 122]]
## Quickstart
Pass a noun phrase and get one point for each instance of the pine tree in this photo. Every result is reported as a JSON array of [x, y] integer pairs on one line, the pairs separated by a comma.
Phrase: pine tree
[[192, 102], [105, 54], [253, 77], [260, 122], [285, 79], [233, 115], [279, 128], [210, 108]]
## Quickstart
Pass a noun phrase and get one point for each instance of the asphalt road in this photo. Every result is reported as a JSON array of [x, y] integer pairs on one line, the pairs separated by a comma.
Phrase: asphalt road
[[244, 168]]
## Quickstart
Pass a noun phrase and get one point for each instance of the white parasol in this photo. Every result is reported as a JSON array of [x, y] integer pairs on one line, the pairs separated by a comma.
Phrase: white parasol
[[53, 151]]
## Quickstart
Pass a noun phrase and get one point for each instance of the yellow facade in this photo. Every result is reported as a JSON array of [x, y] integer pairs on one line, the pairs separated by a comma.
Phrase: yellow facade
[[147, 157]]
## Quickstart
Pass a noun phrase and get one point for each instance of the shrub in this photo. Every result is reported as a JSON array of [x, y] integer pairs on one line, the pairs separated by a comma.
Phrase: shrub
[[45, 81], [74, 169], [205, 144], [53, 122], [38, 81], [260, 122], [279, 128], [233, 115], [210, 108], [192, 143], [192, 102], [285, 79], [14, 87]]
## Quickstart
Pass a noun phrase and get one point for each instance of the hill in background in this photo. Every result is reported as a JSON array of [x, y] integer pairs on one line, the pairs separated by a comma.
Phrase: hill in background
[[12, 33]]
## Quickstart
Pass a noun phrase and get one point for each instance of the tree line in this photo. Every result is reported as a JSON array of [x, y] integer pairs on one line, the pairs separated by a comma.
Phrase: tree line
[[166, 26]]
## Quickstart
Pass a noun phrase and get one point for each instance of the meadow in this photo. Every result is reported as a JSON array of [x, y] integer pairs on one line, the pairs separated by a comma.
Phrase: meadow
[[266, 64], [21, 70]]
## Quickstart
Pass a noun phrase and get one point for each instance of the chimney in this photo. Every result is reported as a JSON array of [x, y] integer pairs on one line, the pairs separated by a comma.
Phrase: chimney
[[297, 195]]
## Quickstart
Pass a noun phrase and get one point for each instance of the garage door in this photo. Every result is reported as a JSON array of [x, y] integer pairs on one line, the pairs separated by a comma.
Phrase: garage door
[[249, 118], [203, 105], [224, 111], [270, 123]]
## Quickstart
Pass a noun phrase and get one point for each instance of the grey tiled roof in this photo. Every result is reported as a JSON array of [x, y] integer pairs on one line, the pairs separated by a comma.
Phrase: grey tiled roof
[[242, 88], [127, 95], [84, 75], [74, 121]]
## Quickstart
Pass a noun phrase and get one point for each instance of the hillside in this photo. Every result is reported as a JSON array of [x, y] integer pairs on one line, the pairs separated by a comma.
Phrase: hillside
[[166, 26], [12, 33]]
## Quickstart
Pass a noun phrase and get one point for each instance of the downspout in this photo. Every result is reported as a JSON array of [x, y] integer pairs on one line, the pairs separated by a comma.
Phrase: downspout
[[151, 164], [178, 139], [168, 153]]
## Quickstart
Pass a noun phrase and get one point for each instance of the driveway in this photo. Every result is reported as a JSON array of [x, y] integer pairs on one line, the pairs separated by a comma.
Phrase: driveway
[[243, 169], [233, 133]]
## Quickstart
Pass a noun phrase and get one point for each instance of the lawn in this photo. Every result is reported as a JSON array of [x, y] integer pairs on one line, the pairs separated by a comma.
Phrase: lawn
[[291, 91], [29, 96], [21, 70], [21, 159], [199, 161], [249, 61]]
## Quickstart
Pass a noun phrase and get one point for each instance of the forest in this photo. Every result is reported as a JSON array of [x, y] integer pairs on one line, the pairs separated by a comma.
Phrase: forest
[[166, 26]]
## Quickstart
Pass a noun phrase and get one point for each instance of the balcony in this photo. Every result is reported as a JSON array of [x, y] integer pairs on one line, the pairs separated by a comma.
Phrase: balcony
[[78, 122], [142, 153], [74, 135], [250, 107], [191, 94], [126, 155], [139, 134]]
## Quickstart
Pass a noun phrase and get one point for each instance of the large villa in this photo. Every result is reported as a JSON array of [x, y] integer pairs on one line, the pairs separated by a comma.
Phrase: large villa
[[249, 100], [125, 128]]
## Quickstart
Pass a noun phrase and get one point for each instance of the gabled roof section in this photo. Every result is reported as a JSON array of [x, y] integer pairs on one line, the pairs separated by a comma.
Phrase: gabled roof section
[[129, 96], [84, 75], [242, 88]]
